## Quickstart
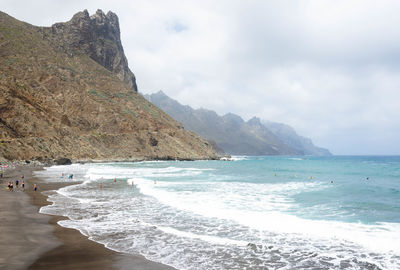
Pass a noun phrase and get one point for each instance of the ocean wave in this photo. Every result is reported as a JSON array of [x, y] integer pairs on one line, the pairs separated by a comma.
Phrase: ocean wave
[[199, 222]]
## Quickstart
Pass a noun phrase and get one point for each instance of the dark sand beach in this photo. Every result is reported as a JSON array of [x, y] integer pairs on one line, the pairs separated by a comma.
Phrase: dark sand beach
[[30, 240]]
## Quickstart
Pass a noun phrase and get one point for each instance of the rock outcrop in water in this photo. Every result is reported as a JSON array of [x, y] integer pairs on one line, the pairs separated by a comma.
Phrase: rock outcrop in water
[[66, 92]]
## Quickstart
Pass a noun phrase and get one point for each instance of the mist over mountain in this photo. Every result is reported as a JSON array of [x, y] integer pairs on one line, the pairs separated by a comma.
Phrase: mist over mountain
[[236, 136]]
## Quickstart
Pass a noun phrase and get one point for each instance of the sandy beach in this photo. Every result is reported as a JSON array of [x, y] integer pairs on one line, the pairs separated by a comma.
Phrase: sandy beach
[[30, 240]]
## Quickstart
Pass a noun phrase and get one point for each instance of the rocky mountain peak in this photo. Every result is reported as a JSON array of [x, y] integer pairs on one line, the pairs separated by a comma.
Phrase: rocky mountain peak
[[255, 121], [160, 94], [233, 118], [97, 36], [81, 15], [101, 18]]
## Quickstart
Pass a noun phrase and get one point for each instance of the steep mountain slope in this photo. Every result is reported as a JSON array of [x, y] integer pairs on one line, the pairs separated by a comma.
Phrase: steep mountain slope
[[289, 136], [64, 94], [230, 132]]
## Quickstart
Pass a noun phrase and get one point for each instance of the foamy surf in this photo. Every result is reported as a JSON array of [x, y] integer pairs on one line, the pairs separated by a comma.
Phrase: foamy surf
[[219, 215]]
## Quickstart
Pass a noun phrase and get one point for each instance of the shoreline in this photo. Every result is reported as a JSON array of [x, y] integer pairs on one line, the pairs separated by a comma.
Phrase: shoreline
[[35, 241], [24, 233]]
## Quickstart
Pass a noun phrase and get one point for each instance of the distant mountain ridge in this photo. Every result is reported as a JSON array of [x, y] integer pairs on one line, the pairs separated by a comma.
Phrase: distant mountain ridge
[[288, 135], [236, 136]]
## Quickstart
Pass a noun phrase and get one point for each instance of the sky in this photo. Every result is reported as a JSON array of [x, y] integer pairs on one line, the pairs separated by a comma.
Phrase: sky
[[328, 68]]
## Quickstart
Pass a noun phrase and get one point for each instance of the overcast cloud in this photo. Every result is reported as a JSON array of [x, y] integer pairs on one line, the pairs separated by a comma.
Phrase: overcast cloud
[[330, 69]]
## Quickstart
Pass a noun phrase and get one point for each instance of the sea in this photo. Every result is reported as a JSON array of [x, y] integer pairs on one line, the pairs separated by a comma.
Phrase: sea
[[268, 212]]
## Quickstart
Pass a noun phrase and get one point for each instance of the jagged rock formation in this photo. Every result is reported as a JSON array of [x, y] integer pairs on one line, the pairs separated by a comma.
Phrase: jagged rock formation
[[97, 36], [230, 132], [58, 100]]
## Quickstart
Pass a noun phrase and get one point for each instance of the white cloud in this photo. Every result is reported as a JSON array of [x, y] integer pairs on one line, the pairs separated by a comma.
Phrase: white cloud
[[329, 68]]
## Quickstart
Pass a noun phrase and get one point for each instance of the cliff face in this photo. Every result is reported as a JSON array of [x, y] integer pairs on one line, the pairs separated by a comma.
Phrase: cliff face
[[288, 135], [236, 136], [62, 94], [230, 132], [97, 36]]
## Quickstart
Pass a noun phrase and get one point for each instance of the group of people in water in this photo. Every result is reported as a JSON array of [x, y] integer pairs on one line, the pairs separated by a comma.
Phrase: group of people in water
[[70, 176], [115, 181]]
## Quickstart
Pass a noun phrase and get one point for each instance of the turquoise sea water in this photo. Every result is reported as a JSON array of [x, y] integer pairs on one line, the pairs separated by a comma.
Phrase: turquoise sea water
[[250, 213]]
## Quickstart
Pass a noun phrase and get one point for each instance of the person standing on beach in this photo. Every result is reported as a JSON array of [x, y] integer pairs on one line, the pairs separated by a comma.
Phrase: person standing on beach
[[16, 183], [23, 185], [35, 187], [11, 186]]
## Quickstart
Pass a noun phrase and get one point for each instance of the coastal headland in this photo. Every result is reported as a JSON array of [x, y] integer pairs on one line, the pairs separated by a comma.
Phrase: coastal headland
[[67, 91]]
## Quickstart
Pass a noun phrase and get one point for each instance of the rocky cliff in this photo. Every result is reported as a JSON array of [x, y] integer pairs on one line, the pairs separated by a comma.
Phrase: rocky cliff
[[289, 136], [98, 36], [66, 91], [230, 132]]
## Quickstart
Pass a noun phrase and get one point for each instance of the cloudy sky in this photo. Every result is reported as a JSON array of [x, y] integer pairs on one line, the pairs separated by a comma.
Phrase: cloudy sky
[[330, 69]]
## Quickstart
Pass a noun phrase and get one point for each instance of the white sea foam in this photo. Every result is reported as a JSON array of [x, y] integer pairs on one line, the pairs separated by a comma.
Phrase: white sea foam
[[247, 205], [109, 172], [238, 158], [183, 223], [207, 238], [218, 198], [60, 173], [297, 158]]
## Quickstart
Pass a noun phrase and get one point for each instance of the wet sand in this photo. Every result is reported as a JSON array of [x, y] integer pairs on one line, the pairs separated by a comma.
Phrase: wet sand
[[30, 240]]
